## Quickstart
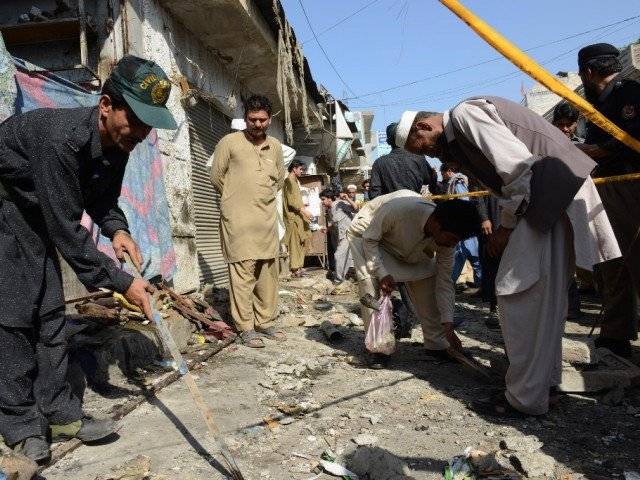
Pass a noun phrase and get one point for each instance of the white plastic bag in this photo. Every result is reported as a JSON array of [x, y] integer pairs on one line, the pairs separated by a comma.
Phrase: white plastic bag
[[380, 338]]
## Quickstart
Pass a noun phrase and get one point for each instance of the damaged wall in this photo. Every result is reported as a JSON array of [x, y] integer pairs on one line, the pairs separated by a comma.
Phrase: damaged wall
[[181, 54]]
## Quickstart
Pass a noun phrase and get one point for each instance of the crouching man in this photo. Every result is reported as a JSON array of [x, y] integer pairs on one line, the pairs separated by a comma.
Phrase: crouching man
[[401, 237]]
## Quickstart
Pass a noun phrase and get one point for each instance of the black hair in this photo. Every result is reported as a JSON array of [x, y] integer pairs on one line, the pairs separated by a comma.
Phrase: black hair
[[604, 66], [565, 110], [421, 115], [365, 181], [117, 100], [255, 103], [459, 217], [392, 128], [296, 163], [447, 166], [328, 193]]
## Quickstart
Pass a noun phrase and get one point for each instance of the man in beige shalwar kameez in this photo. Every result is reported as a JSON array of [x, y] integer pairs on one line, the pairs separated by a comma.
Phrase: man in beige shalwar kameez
[[248, 171], [296, 219], [552, 219]]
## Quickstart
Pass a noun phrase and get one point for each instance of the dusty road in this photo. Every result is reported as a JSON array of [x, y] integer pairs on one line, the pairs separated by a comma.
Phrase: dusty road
[[411, 418]]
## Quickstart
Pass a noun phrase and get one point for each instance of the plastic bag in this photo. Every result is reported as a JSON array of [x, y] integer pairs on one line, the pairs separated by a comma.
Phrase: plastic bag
[[380, 337]]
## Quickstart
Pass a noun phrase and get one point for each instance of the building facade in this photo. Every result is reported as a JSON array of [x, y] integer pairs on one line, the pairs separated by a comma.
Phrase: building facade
[[216, 53]]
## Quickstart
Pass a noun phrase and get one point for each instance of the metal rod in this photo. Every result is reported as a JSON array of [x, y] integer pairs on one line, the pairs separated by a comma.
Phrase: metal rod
[[538, 73], [84, 51]]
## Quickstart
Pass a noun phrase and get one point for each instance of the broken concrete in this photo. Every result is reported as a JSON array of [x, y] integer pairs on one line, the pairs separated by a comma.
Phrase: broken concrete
[[527, 444], [377, 463], [534, 464], [579, 353], [17, 467]]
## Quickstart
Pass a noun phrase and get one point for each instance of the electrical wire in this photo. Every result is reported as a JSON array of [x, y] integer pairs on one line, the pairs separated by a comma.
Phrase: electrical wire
[[484, 62], [491, 81], [340, 22], [326, 56]]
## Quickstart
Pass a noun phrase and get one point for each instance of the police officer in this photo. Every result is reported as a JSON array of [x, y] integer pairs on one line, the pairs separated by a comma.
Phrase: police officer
[[54, 165], [619, 100]]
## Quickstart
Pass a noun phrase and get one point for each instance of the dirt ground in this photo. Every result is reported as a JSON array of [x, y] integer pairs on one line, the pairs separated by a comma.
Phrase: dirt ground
[[409, 418]]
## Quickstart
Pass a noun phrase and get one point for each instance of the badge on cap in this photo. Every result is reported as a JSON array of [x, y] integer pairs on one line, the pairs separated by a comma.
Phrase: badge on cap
[[629, 112]]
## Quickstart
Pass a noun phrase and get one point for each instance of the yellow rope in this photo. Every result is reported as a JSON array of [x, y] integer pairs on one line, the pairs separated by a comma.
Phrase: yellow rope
[[530, 67], [486, 193]]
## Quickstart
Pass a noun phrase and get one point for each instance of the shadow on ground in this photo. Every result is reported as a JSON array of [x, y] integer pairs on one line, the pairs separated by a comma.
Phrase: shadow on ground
[[591, 438]]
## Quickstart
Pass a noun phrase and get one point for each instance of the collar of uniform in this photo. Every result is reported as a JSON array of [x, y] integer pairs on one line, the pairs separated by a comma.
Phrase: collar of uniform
[[609, 88], [448, 127], [96, 145]]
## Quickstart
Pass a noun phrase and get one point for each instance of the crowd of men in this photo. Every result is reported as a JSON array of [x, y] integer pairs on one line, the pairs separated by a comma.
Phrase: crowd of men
[[545, 217]]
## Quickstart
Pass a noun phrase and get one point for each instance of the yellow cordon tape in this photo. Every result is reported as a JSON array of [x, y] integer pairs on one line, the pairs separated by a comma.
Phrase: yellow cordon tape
[[486, 193], [531, 67]]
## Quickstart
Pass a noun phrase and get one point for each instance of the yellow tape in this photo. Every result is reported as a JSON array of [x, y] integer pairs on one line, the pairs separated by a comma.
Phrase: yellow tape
[[530, 67], [125, 303], [486, 193]]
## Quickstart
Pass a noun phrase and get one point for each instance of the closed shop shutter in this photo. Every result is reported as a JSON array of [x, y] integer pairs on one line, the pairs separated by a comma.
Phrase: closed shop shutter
[[206, 127]]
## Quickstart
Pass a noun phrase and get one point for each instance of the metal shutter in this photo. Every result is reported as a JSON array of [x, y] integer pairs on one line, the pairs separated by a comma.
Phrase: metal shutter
[[206, 127]]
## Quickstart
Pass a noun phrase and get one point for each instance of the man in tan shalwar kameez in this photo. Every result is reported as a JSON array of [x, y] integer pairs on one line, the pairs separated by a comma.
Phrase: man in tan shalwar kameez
[[296, 219], [248, 171]]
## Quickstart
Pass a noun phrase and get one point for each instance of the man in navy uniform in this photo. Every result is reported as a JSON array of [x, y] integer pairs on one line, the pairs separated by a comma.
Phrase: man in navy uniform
[[54, 165], [618, 100]]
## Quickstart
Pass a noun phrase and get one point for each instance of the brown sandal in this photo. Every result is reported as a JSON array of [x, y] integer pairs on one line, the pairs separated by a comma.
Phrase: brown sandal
[[251, 339], [272, 333]]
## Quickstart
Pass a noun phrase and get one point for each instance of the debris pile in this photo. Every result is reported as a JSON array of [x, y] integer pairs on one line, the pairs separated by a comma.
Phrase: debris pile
[[14, 466], [516, 457], [114, 309], [138, 468]]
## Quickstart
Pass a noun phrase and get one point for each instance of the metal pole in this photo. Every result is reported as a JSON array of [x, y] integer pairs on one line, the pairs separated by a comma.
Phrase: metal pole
[[84, 51], [531, 68]]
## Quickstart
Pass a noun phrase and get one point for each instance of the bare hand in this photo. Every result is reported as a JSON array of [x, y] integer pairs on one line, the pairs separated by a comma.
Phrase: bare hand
[[487, 227], [498, 241], [594, 151], [387, 285], [306, 214], [122, 242], [343, 196], [138, 294], [452, 338]]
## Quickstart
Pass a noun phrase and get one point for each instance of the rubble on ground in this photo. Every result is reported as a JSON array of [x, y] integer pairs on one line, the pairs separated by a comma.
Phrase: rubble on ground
[[16, 467]]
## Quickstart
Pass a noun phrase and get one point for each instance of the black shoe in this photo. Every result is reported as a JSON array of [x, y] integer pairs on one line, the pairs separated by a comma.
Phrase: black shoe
[[91, 430], [574, 315], [621, 348], [34, 448], [496, 406], [439, 354], [377, 361], [492, 323]]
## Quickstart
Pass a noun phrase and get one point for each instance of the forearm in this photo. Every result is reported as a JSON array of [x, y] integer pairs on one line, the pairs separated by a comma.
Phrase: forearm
[[373, 256]]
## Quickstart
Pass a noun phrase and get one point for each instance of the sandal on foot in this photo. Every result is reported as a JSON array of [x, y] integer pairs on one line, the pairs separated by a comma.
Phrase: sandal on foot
[[251, 339], [272, 333], [496, 406]]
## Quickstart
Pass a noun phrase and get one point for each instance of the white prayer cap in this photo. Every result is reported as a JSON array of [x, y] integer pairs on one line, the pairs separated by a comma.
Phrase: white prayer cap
[[238, 124], [404, 127], [351, 186]]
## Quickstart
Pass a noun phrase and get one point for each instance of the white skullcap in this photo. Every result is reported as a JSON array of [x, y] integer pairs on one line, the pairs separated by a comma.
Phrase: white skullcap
[[404, 127], [351, 186], [238, 124]]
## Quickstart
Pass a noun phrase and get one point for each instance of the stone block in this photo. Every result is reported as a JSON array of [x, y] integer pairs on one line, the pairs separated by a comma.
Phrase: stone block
[[579, 353]]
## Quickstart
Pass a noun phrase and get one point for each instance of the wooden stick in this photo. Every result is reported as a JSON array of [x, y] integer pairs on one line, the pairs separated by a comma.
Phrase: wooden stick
[[205, 410]]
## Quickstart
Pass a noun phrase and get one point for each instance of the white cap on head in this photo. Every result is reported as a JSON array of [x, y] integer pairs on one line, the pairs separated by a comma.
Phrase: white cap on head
[[238, 124], [404, 127], [351, 186]]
